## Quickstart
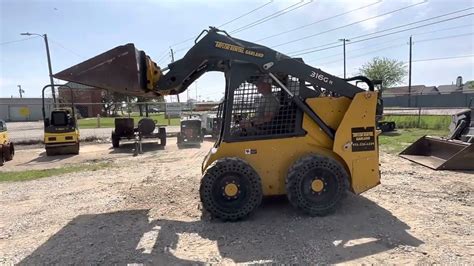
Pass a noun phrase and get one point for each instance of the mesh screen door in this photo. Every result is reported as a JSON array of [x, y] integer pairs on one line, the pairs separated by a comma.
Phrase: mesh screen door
[[260, 108]]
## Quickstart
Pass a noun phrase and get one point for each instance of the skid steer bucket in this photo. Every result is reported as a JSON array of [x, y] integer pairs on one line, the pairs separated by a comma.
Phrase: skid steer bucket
[[121, 69], [441, 154]]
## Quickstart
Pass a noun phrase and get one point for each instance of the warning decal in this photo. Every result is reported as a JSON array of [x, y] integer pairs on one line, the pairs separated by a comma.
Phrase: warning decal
[[363, 138]]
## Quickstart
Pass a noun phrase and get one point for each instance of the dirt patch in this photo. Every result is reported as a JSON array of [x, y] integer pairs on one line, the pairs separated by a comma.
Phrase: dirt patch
[[146, 209]]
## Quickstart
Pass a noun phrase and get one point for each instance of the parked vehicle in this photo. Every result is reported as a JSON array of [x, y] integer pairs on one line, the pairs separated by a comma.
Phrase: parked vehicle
[[7, 149]]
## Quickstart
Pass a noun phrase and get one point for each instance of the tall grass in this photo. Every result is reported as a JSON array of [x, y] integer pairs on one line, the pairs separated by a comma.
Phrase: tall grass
[[440, 122]]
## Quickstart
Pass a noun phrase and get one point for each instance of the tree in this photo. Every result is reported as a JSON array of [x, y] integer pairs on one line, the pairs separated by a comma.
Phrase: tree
[[470, 85], [144, 99], [110, 102], [390, 71]]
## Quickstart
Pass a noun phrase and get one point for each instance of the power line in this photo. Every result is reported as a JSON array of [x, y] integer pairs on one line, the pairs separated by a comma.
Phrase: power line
[[429, 24], [350, 24], [398, 45], [390, 41], [445, 29], [388, 29], [243, 15], [360, 55], [387, 34], [352, 50], [20, 40], [445, 37], [232, 20], [272, 16], [318, 21], [443, 58], [65, 48], [162, 56]]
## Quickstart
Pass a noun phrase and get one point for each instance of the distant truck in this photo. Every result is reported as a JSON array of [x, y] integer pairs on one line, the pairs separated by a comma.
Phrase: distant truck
[[190, 131]]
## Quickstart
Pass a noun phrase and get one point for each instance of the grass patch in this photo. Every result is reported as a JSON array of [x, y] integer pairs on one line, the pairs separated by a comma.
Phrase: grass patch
[[395, 142], [436, 122], [36, 174], [108, 122]]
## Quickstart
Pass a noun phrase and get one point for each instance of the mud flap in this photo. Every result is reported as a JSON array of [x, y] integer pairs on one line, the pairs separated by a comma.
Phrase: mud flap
[[441, 154]]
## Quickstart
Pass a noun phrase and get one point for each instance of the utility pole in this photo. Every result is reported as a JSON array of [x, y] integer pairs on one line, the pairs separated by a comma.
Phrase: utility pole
[[49, 67], [45, 37], [344, 51], [20, 91], [409, 74], [172, 61], [196, 88], [172, 55]]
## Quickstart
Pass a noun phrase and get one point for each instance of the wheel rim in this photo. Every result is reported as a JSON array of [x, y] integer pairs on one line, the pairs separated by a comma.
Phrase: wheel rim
[[231, 191], [319, 185]]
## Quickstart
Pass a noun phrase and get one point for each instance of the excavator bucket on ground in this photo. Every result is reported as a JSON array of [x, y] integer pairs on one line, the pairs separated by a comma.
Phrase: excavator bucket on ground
[[456, 152], [121, 69], [441, 154]]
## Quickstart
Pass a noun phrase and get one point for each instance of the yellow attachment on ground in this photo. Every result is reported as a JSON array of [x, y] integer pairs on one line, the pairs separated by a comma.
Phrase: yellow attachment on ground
[[231, 189], [317, 185]]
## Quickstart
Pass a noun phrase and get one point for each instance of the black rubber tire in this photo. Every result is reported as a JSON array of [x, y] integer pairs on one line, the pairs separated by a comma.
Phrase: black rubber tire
[[162, 134], [115, 140], [303, 172], [211, 193], [179, 140], [163, 141], [76, 149], [51, 151], [9, 152], [2, 155]]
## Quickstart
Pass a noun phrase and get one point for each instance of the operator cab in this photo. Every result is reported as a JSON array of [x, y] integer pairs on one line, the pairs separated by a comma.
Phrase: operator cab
[[61, 120], [261, 111]]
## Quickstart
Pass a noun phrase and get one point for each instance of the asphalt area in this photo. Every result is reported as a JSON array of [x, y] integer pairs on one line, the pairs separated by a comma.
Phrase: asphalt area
[[145, 209]]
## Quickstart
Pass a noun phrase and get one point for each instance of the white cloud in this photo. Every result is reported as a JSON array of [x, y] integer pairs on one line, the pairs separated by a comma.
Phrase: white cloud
[[365, 13]]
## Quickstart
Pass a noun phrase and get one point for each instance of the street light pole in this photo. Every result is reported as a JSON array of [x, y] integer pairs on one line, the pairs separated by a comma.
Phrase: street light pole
[[409, 73], [49, 67], [45, 37], [344, 50], [20, 91]]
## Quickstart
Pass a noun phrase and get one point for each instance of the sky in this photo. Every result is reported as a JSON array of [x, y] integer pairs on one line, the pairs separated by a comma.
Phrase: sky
[[80, 29]]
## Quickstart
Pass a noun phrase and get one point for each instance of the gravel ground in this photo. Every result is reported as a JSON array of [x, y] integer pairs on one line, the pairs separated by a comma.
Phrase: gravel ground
[[146, 209]]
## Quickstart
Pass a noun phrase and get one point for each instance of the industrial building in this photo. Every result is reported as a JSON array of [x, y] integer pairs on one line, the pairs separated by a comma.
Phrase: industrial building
[[23, 109]]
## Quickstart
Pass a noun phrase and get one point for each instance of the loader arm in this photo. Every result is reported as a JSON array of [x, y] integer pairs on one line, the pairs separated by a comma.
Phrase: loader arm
[[127, 70], [217, 50]]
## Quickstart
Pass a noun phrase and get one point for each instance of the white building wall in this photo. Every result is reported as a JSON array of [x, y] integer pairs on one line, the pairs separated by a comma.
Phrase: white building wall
[[23, 109]]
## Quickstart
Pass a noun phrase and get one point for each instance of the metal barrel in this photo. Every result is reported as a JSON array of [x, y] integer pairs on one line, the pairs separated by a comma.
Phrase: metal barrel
[[441, 154]]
